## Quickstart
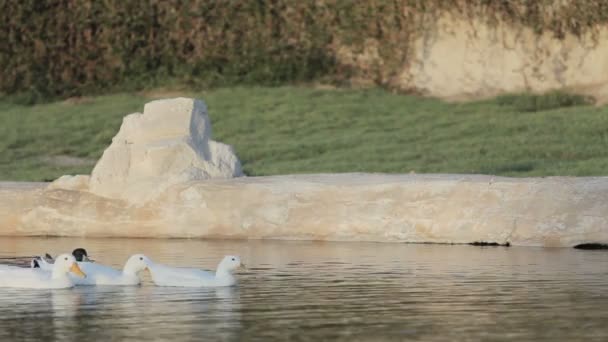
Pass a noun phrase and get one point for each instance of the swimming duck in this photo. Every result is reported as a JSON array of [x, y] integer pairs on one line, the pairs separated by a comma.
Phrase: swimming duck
[[57, 278], [81, 255], [98, 274], [163, 275]]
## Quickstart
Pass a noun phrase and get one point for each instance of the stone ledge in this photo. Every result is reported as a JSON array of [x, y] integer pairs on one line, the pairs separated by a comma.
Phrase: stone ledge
[[552, 212]]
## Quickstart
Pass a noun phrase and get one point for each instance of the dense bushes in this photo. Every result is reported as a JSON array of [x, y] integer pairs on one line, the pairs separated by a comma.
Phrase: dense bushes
[[71, 47]]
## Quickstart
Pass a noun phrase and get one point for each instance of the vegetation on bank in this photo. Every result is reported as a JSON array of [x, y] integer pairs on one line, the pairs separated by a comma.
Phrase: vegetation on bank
[[57, 48], [305, 130]]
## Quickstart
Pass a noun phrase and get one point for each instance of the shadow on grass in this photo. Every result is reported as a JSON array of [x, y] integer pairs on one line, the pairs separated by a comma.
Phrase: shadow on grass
[[540, 102], [515, 167]]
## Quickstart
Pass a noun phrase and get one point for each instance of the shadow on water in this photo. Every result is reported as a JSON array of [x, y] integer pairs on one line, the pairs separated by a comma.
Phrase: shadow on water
[[592, 246], [319, 290]]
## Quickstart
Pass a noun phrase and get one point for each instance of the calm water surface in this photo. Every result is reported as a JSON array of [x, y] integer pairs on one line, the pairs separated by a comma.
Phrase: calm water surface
[[321, 291]]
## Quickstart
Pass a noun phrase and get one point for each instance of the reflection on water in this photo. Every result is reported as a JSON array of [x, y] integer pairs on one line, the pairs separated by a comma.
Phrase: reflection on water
[[313, 290]]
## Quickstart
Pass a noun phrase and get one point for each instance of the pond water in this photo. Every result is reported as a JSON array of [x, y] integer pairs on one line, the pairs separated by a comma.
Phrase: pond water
[[316, 290]]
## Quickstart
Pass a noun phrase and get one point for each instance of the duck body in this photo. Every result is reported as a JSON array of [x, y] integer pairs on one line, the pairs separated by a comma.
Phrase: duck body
[[43, 264], [104, 275], [98, 274], [163, 275], [32, 279], [35, 278]]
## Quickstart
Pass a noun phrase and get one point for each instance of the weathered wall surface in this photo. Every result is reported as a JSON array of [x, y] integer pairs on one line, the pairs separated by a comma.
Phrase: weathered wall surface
[[461, 58], [343, 207]]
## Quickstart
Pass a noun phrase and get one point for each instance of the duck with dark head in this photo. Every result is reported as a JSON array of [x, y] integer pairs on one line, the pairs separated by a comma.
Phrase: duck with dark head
[[80, 254]]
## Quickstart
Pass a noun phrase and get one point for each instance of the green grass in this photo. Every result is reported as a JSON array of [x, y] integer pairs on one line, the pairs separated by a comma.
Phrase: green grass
[[303, 130], [548, 101]]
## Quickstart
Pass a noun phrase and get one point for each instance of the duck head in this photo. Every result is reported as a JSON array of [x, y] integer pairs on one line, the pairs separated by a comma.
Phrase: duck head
[[80, 254], [64, 264], [136, 264], [229, 264]]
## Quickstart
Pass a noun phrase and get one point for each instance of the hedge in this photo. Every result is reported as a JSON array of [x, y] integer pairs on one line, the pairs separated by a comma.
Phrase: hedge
[[77, 47]]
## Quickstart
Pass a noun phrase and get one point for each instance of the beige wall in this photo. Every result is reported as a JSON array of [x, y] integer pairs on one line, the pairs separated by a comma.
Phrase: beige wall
[[462, 58]]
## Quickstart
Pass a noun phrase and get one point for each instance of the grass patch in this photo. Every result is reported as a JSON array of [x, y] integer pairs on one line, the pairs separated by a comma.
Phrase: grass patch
[[541, 102], [287, 130]]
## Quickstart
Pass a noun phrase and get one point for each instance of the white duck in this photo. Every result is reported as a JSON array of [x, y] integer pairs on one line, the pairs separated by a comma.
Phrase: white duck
[[163, 275], [98, 274], [34, 278]]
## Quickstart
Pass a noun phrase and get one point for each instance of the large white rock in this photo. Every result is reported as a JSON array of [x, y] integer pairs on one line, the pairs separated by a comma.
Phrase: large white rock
[[69, 182], [170, 143]]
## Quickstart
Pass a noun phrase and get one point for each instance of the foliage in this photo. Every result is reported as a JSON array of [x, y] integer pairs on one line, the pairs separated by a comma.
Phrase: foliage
[[74, 47]]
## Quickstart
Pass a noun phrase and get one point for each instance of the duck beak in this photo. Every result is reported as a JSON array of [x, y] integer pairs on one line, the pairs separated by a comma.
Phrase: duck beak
[[77, 271], [243, 267]]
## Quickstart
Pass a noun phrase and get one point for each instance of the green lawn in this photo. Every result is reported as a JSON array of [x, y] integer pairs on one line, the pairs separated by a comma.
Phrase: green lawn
[[304, 130]]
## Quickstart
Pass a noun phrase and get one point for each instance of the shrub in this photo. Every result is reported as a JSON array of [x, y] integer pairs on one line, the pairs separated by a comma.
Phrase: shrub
[[76, 47]]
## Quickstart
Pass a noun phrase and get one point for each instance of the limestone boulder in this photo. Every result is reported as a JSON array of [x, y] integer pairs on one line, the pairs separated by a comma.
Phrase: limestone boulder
[[69, 182], [170, 143]]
